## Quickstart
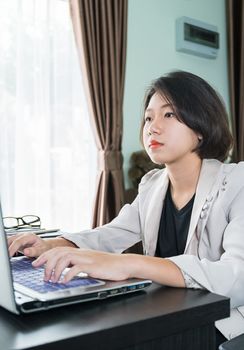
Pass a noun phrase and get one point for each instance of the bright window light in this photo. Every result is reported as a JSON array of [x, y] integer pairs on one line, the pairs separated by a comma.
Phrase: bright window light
[[47, 149]]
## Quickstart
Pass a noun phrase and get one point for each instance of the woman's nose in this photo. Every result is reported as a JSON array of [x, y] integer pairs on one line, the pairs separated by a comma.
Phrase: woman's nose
[[154, 127]]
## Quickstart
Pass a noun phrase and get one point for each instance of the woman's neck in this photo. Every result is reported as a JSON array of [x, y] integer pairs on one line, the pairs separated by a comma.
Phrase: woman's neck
[[184, 179]]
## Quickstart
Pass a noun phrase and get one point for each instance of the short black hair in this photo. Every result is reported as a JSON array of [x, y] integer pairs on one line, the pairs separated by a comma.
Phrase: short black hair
[[198, 106]]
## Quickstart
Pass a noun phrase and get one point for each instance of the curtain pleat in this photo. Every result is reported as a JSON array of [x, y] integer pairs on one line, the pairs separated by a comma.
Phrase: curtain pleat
[[235, 35], [100, 30]]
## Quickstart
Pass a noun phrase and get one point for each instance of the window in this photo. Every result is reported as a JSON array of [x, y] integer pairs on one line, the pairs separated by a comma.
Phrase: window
[[47, 150]]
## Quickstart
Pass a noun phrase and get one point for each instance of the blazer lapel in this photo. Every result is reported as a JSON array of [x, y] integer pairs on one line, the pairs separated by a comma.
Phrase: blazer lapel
[[153, 213], [208, 174]]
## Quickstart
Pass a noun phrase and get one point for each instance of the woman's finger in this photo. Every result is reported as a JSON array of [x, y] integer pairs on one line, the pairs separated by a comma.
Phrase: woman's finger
[[61, 264], [50, 259], [21, 242], [73, 271]]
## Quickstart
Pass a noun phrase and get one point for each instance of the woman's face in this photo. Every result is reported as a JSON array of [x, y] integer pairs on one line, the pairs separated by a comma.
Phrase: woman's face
[[165, 138]]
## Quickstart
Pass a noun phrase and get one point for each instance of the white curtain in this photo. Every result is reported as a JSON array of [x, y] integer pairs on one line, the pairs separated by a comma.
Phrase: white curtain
[[47, 151]]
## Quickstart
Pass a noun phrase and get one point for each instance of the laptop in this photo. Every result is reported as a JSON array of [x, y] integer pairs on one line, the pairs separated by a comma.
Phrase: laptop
[[24, 291]]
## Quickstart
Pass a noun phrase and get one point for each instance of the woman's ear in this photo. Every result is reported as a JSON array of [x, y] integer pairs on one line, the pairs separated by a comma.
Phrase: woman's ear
[[199, 137]]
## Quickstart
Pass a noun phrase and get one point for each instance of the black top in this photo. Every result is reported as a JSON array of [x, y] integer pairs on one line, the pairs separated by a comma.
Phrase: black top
[[173, 228]]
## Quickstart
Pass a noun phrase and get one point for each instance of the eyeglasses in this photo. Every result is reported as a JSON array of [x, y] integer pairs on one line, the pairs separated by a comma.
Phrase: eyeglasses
[[12, 222]]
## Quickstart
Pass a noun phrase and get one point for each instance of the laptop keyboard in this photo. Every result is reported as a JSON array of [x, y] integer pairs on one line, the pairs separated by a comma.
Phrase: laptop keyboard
[[25, 274]]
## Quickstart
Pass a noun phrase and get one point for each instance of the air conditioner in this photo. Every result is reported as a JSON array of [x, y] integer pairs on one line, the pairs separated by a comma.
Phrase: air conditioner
[[196, 37]]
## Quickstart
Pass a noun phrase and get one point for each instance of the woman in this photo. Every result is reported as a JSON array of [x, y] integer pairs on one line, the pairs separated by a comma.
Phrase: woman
[[188, 216]]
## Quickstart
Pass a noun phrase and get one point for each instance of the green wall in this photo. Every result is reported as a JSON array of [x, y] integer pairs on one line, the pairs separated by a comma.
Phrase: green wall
[[151, 53]]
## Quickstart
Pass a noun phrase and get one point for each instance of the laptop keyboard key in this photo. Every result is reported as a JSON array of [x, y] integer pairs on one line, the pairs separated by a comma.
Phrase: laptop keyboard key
[[25, 274]]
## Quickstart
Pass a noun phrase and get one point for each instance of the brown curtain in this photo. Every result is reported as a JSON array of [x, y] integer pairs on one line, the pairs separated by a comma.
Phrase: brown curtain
[[235, 30], [100, 28]]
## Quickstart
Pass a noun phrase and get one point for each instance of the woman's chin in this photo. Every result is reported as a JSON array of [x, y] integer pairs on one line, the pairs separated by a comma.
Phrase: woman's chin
[[157, 160]]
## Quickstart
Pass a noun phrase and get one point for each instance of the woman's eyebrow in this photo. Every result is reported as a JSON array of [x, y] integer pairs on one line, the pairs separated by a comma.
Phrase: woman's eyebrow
[[163, 106], [167, 105]]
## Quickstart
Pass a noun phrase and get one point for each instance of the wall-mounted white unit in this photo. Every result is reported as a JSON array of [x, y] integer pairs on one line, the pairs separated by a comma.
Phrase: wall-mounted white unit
[[196, 37]]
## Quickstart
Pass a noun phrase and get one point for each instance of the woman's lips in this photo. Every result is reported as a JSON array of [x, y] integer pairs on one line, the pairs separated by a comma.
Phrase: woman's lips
[[155, 144]]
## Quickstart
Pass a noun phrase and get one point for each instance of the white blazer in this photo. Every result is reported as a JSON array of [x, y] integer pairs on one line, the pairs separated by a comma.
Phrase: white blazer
[[214, 252]]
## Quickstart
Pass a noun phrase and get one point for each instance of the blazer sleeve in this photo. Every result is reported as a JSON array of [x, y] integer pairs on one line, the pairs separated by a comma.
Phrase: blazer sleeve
[[226, 275], [121, 233]]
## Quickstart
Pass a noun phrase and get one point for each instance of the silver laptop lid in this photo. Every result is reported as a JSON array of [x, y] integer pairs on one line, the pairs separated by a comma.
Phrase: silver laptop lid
[[7, 299]]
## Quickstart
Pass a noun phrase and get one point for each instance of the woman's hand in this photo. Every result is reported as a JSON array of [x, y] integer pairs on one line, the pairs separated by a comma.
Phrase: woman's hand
[[96, 264], [32, 245], [28, 243], [108, 266]]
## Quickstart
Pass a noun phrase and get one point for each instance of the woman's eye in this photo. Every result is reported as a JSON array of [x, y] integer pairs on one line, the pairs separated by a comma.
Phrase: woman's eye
[[169, 115], [148, 119]]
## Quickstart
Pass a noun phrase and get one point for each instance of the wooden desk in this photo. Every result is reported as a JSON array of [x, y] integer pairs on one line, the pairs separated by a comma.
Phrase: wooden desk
[[160, 318]]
